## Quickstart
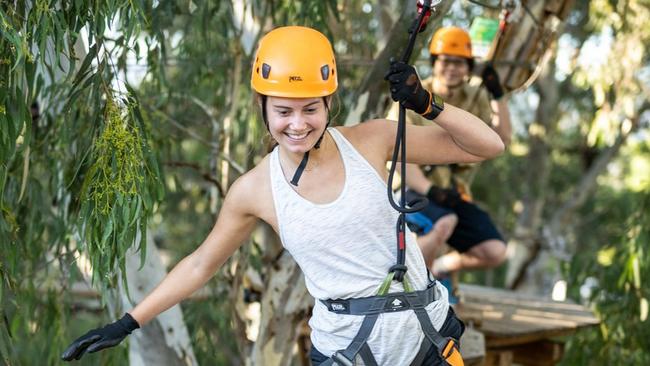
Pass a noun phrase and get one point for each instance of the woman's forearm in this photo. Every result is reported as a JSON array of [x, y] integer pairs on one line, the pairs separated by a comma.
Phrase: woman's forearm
[[185, 278], [469, 132]]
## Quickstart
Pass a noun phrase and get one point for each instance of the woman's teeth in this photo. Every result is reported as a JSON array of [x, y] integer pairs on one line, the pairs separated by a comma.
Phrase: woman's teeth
[[297, 136]]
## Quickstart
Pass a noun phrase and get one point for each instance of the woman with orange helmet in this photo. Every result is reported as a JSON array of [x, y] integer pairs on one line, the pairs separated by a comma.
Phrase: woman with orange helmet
[[336, 223]]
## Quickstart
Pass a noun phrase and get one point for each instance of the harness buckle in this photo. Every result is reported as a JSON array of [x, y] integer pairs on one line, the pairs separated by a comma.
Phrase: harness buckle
[[341, 360], [451, 354]]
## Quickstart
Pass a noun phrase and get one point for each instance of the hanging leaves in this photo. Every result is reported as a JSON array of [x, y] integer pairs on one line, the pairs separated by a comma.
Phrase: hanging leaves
[[118, 191]]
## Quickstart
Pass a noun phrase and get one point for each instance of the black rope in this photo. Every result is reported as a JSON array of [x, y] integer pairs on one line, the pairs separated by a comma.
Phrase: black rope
[[400, 149]]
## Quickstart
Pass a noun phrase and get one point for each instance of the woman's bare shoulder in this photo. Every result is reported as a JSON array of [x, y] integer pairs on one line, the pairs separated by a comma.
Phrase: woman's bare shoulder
[[374, 136], [252, 188], [377, 129]]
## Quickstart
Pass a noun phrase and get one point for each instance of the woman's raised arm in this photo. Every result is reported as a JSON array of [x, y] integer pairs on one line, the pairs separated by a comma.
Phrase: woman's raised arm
[[456, 135]]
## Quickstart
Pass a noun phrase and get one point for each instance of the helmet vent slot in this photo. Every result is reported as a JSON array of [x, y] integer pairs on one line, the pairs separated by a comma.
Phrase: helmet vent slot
[[266, 70], [325, 72]]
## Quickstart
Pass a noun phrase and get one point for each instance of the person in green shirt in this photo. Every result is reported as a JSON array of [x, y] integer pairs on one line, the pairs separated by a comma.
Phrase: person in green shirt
[[451, 216]]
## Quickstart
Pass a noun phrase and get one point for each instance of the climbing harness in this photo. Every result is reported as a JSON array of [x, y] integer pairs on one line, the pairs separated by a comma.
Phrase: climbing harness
[[384, 302], [372, 307]]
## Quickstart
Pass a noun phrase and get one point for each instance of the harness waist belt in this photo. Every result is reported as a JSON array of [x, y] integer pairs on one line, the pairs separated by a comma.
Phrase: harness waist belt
[[398, 301]]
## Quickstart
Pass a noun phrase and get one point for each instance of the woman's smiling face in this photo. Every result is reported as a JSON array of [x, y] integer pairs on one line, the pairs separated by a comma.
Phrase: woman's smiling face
[[296, 123]]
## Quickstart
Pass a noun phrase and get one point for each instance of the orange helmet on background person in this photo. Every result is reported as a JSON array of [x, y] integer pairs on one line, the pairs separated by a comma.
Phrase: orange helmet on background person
[[453, 41], [294, 62]]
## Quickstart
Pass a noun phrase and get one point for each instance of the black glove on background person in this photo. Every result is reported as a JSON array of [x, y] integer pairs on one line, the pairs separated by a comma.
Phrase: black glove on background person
[[491, 82], [100, 338], [447, 197], [405, 87]]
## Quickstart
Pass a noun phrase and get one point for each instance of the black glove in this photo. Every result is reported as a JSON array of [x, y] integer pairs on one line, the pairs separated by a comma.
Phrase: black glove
[[443, 197], [491, 82], [97, 339], [405, 87]]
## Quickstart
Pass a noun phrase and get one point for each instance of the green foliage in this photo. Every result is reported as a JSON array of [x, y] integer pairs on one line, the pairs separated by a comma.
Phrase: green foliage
[[308, 13], [44, 159], [619, 292], [39, 335], [118, 192], [210, 327]]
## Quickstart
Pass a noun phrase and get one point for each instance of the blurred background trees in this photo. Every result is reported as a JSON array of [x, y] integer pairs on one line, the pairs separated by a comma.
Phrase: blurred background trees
[[123, 123]]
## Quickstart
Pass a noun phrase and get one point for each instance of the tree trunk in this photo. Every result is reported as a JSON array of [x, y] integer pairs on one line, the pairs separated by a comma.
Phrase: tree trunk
[[525, 243], [285, 303], [165, 340]]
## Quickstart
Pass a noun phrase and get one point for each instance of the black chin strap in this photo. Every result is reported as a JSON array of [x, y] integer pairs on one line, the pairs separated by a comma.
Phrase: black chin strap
[[301, 168], [305, 158]]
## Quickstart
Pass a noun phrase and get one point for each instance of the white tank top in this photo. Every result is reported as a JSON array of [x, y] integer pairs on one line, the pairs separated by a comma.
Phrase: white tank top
[[345, 249]]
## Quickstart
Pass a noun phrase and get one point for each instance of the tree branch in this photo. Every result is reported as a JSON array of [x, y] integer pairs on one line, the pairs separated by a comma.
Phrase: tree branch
[[197, 137], [583, 190], [203, 174]]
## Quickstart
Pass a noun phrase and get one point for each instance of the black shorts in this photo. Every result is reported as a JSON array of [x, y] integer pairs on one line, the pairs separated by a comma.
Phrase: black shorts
[[452, 327], [474, 225]]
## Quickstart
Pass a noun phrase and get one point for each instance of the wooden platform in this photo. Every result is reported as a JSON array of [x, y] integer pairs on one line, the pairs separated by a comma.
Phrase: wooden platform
[[520, 328]]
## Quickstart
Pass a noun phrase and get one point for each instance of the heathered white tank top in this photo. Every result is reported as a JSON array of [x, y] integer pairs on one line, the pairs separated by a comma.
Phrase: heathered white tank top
[[345, 249]]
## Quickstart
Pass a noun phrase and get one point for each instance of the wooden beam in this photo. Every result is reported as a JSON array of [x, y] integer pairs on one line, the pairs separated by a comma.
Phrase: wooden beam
[[542, 353], [498, 358]]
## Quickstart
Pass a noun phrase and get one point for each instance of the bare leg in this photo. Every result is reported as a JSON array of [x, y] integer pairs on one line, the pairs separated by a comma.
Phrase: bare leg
[[487, 254], [433, 241]]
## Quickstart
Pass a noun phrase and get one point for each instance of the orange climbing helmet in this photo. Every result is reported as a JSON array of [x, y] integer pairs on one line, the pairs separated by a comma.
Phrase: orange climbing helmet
[[294, 62], [451, 41]]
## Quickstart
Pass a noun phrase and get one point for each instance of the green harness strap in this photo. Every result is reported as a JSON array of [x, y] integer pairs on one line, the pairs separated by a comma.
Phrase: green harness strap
[[385, 286]]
